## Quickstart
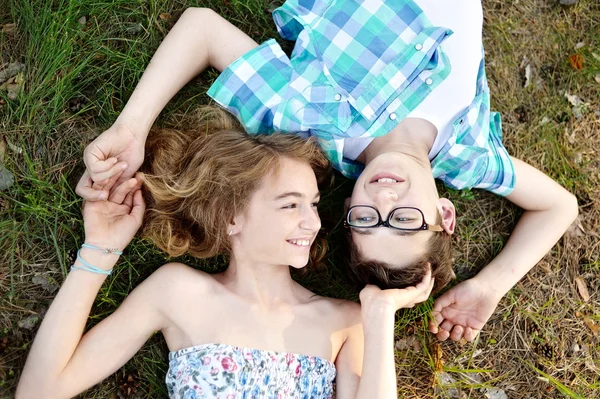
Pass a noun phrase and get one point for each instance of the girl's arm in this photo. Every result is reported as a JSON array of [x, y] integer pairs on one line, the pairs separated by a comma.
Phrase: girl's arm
[[62, 363], [201, 38], [549, 211], [378, 309]]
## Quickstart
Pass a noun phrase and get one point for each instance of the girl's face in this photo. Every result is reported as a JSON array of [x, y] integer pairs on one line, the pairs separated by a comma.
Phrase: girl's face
[[281, 221]]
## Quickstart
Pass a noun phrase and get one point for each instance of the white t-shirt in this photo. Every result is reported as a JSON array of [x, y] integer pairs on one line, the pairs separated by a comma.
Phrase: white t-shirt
[[443, 105]]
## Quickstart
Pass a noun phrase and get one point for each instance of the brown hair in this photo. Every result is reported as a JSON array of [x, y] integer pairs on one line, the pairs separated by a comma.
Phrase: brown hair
[[438, 255], [196, 181]]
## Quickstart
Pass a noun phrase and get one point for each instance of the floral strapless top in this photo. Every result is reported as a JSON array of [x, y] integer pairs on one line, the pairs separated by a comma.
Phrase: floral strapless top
[[228, 372]]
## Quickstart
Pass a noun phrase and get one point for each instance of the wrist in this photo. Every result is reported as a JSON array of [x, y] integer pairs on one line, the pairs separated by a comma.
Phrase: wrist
[[96, 258], [138, 120], [379, 312], [493, 284]]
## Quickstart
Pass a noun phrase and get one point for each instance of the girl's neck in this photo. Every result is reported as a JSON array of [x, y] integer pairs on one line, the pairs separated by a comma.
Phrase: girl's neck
[[266, 285]]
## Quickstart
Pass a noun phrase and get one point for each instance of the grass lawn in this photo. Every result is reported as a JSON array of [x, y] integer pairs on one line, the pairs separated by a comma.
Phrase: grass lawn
[[80, 62]]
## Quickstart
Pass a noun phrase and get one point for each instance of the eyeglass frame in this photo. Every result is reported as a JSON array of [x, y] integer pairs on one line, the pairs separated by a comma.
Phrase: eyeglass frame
[[386, 223]]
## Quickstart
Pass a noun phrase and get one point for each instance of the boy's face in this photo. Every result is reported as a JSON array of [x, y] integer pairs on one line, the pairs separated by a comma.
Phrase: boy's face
[[390, 181]]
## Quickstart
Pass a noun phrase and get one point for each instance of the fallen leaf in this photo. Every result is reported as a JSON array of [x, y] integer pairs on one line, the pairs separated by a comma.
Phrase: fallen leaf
[[597, 78], [6, 178], [495, 393], [582, 289], [45, 282], [573, 99], [592, 326], [2, 148], [29, 322], [555, 46], [576, 61], [579, 45], [82, 20], [133, 28], [446, 385], [11, 70], [8, 28], [165, 16], [576, 228], [527, 75]]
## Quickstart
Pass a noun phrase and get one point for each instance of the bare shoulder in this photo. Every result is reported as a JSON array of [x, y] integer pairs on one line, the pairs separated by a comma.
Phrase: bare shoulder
[[180, 278], [345, 312]]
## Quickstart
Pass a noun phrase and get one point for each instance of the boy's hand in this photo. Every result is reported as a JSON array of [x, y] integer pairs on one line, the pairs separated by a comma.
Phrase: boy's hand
[[113, 223], [372, 298], [118, 149], [463, 310]]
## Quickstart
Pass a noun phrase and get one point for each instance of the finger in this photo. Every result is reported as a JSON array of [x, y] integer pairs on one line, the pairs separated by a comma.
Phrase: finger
[[442, 335], [112, 181], [427, 292], [120, 192], [447, 325], [470, 334], [84, 189], [457, 333], [444, 300], [103, 175], [129, 197], [426, 280], [437, 317], [433, 326], [96, 161], [139, 207]]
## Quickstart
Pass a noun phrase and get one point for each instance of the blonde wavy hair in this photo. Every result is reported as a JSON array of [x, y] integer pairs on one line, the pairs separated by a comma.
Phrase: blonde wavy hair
[[197, 180]]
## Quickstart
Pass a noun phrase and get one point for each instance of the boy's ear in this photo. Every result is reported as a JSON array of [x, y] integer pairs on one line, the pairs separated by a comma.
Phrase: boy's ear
[[448, 213], [347, 204]]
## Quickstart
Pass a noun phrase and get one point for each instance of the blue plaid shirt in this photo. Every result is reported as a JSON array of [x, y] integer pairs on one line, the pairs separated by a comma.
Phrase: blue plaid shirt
[[358, 68]]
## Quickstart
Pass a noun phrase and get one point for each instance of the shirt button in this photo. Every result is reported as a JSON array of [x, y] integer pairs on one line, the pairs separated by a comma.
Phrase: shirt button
[[419, 47], [428, 81], [393, 116], [337, 97]]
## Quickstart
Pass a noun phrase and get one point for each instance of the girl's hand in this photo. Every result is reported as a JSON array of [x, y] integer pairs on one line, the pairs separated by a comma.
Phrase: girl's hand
[[372, 298], [117, 151], [113, 223]]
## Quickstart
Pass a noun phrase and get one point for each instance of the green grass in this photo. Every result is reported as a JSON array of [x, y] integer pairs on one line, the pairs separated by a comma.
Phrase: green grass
[[79, 76]]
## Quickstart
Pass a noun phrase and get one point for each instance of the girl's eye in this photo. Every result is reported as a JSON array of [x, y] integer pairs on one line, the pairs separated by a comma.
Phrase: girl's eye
[[290, 206], [315, 204]]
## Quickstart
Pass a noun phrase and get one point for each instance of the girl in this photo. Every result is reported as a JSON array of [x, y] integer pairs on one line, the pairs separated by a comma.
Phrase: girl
[[250, 331]]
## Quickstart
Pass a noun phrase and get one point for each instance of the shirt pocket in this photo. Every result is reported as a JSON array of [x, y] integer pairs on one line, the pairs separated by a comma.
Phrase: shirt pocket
[[331, 109]]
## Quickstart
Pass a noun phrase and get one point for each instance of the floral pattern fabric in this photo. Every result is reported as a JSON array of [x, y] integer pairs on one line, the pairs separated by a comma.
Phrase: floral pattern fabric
[[228, 372]]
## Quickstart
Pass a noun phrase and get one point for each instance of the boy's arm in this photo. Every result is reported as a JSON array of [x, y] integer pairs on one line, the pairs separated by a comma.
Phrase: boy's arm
[[201, 38], [549, 211]]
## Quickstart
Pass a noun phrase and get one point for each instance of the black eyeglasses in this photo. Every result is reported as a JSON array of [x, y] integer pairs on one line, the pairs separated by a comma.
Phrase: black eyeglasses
[[401, 218]]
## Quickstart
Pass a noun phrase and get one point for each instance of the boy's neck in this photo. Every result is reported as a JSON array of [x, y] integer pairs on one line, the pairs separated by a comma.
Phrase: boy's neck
[[412, 136]]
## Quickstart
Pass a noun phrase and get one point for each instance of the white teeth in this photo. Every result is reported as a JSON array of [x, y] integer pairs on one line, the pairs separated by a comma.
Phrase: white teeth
[[386, 180], [303, 243]]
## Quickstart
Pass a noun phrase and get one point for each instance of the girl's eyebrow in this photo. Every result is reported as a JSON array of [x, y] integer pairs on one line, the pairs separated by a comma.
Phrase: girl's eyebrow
[[294, 194]]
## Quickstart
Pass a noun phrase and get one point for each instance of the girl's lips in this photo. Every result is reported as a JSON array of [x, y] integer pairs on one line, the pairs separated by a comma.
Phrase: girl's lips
[[386, 175]]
